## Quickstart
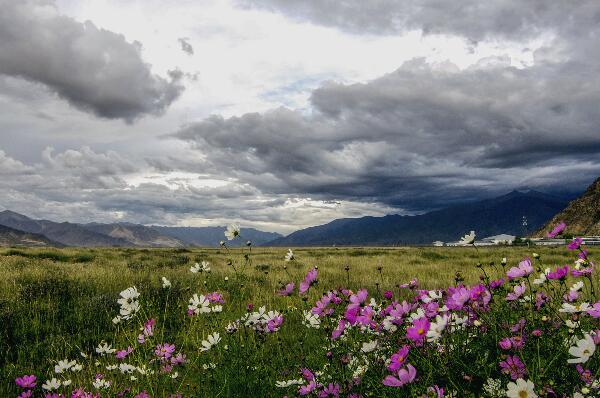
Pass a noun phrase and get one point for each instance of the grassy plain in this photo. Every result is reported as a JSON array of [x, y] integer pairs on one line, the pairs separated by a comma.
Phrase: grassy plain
[[56, 303]]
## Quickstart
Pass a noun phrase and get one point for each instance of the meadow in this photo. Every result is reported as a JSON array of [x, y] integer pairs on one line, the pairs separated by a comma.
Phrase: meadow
[[60, 305]]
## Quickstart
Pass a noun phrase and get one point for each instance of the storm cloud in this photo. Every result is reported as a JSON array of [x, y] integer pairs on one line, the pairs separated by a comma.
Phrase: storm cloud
[[94, 69]]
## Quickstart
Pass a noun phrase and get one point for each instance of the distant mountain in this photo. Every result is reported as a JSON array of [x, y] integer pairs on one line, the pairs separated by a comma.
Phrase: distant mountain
[[14, 237], [487, 217], [211, 236], [126, 234], [68, 234], [136, 234], [582, 215]]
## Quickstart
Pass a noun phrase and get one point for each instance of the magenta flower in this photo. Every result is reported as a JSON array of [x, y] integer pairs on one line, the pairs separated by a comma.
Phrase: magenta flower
[[178, 359], [164, 351], [148, 330], [404, 376], [575, 244], [81, 393], [274, 324], [594, 312], [505, 343], [26, 381], [307, 389], [332, 390], [143, 394], [388, 294], [339, 330], [289, 288], [583, 272], [418, 331], [123, 353], [559, 273], [215, 297], [495, 284], [557, 230], [309, 280], [26, 394], [523, 269], [398, 359], [457, 297], [514, 367], [518, 291]]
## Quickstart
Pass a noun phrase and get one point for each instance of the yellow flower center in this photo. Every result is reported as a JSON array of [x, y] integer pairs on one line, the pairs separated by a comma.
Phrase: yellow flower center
[[420, 331], [523, 394]]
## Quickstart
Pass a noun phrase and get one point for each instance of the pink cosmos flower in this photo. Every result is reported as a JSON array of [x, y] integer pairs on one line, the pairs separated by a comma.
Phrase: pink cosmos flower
[[583, 272], [518, 291], [388, 294], [307, 389], [418, 331], [123, 353], [594, 312], [178, 359], [339, 330], [575, 244], [523, 269], [147, 331], [412, 284], [435, 391], [559, 273], [514, 367], [398, 359], [26, 381], [81, 393], [26, 394], [274, 324], [495, 284], [457, 297], [557, 230], [287, 290], [309, 280], [404, 376], [332, 390], [53, 395], [164, 351], [215, 297], [505, 343], [143, 394]]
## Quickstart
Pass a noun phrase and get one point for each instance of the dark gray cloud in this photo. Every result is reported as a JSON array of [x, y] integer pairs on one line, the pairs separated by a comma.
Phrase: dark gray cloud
[[473, 19], [420, 137], [94, 69], [186, 47]]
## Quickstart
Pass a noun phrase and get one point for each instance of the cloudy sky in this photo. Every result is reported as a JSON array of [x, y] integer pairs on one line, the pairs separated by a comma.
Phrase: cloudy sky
[[281, 114]]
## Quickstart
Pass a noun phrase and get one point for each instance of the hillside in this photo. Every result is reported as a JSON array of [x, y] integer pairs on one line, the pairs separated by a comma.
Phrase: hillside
[[211, 236], [582, 215], [136, 235], [14, 237], [487, 217]]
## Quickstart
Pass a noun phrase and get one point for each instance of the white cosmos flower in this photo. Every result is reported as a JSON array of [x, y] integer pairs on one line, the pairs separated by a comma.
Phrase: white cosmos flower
[[165, 283], [521, 389], [432, 295], [104, 348], [203, 267], [540, 280], [287, 383], [437, 327], [211, 341], [52, 384], [100, 383], [468, 239], [582, 350], [233, 231], [129, 309], [370, 346], [311, 320], [570, 308], [130, 293], [64, 365], [117, 319], [77, 367], [577, 286], [217, 308], [66, 382], [126, 368], [290, 255], [199, 304]]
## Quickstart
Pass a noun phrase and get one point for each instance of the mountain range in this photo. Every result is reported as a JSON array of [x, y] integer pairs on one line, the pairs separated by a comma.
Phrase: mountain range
[[520, 213], [21, 229], [582, 215], [504, 214]]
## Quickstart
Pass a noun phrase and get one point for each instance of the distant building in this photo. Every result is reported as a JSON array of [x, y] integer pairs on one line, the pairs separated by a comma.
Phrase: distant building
[[502, 239], [438, 243]]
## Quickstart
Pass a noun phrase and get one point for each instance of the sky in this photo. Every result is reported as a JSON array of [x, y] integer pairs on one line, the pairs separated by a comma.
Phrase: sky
[[283, 114]]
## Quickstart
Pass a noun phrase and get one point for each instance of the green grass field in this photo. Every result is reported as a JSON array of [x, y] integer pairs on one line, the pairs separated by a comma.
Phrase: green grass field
[[56, 303]]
